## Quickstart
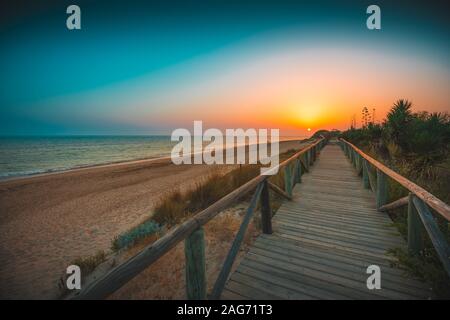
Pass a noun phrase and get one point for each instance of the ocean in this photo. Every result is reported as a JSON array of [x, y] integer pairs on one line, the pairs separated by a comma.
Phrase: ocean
[[23, 156]]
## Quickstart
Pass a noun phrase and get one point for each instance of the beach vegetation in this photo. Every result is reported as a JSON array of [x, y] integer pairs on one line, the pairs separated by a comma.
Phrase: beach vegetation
[[132, 236], [88, 264], [417, 146]]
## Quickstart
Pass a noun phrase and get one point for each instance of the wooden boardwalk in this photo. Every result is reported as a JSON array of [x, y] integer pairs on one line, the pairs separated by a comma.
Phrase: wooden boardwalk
[[322, 243]]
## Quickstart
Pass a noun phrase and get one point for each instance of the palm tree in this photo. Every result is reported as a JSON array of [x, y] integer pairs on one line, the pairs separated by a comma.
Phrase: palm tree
[[398, 122]]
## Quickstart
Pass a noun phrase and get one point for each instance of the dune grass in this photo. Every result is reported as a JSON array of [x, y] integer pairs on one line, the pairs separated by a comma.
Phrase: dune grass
[[165, 278], [88, 264]]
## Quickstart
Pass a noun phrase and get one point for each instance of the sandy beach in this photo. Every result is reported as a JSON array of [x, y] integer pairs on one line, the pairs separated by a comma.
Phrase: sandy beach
[[47, 221]]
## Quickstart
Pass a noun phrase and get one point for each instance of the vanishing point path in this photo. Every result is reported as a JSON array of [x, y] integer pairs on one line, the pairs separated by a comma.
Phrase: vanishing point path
[[323, 241]]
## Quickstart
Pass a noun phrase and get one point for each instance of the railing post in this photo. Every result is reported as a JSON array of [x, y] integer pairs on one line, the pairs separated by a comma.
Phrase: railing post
[[194, 249], [288, 180], [299, 171], [310, 157], [359, 163], [295, 173], [365, 174], [266, 211], [382, 189], [306, 160], [414, 228]]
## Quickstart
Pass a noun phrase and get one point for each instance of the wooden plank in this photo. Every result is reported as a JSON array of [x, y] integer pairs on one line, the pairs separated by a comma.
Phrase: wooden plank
[[348, 271], [375, 247], [230, 295], [194, 250], [318, 272], [333, 258], [346, 227], [336, 217], [354, 234], [244, 286], [288, 285]]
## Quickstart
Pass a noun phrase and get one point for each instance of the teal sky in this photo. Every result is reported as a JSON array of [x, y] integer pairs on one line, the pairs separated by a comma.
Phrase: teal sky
[[143, 67]]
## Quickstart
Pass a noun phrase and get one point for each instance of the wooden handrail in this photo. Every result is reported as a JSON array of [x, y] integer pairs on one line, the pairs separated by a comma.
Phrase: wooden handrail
[[438, 205], [121, 274]]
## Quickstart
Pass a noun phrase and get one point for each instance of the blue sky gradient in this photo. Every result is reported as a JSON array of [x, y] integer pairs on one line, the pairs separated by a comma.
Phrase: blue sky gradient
[[131, 57]]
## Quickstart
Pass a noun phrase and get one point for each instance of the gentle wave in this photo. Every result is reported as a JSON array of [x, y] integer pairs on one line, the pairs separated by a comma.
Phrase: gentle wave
[[28, 156]]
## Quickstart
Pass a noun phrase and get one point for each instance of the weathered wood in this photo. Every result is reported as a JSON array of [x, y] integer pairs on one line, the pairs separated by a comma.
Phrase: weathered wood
[[194, 250], [350, 155], [304, 163], [438, 205], [234, 250], [372, 180], [395, 204], [299, 171], [323, 243], [288, 180], [266, 211], [382, 189], [278, 190], [414, 228], [294, 172], [365, 174], [440, 244], [359, 161], [121, 274]]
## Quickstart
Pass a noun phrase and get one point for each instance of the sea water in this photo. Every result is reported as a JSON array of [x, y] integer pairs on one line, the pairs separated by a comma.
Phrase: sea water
[[23, 156]]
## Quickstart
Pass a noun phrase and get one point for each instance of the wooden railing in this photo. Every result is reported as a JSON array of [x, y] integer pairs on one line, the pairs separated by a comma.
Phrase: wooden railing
[[191, 231], [419, 202]]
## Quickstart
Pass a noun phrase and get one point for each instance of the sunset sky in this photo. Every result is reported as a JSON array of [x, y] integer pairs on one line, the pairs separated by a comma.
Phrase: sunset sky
[[140, 67]]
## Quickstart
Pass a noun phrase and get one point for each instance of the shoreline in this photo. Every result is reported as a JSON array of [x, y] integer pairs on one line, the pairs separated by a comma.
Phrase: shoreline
[[106, 165]]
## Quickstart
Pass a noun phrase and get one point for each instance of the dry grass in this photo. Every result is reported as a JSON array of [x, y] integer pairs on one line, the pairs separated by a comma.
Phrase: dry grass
[[176, 206], [88, 264], [165, 279]]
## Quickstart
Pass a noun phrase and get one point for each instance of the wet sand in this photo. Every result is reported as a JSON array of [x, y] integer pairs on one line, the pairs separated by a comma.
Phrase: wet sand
[[47, 221]]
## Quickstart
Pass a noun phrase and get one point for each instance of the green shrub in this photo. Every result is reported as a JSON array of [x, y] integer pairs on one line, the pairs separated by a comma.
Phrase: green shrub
[[133, 235]]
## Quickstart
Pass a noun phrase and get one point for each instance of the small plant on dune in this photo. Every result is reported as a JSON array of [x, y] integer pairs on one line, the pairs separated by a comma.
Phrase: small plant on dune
[[135, 234]]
